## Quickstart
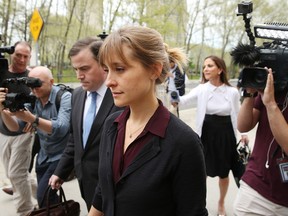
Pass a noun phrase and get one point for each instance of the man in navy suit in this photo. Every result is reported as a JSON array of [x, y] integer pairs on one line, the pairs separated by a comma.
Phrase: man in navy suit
[[80, 155]]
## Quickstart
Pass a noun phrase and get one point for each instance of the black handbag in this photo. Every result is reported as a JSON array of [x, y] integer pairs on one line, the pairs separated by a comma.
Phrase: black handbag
[[240, 161], [63, 208]]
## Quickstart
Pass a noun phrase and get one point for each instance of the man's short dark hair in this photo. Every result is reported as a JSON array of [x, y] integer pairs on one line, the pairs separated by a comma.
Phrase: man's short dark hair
[[92, 43], [24, 43]]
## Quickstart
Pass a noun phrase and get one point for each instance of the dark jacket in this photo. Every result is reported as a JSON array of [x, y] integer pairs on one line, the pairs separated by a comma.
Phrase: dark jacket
[[85, 161], [166, 178], [179, 81]]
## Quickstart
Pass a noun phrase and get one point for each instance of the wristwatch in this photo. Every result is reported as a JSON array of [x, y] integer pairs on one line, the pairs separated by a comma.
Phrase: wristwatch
[[246, 94], [36, 122]]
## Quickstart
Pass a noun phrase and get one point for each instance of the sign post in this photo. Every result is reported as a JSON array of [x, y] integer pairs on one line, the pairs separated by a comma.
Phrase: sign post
[[36, 25]]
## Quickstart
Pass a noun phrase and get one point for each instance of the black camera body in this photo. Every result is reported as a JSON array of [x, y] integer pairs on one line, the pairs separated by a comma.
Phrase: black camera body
[[16, 101], [3, 60], [245, 7], [275, 57], [272, 55], [7, 49], [28, 81]]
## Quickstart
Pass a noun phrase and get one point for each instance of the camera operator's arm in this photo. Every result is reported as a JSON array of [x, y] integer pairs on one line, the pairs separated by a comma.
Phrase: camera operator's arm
[[247, 116], [9, 121], [277, 122], [27, 116]]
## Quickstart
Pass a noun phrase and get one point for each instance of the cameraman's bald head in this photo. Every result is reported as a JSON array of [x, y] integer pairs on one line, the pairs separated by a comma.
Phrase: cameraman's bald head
[[42, 73], [46, 77]]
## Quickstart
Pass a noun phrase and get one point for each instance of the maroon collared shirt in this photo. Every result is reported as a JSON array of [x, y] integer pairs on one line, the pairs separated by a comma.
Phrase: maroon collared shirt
[[156, 126]]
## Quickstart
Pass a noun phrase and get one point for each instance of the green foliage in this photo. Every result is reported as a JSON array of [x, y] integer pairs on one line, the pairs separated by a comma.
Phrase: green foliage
[[216, 28], [68, 75]]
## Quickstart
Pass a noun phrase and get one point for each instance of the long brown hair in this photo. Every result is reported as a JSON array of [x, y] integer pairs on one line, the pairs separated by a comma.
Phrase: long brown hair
[[220, 63]]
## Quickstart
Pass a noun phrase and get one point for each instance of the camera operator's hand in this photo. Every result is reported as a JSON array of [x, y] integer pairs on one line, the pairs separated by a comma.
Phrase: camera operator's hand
[[268, 94], [3, 92], [7, 117], [251, 90], [25, 115], [277, 122], [28, 128]]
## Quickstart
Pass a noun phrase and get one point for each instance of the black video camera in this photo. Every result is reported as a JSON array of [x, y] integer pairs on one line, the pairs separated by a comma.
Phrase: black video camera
[[3, 60], [16, 101], [28, 81], [7, 49], [271, 54], [245, 7]]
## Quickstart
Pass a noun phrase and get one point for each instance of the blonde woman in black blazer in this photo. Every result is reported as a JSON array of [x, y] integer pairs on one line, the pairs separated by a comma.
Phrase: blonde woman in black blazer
[[151, 163]]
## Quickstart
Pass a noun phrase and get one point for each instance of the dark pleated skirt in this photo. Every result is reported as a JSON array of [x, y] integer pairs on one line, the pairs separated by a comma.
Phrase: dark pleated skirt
[[219, 143]]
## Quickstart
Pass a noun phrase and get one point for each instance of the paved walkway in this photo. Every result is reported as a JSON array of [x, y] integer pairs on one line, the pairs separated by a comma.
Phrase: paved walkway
[[72, 190]]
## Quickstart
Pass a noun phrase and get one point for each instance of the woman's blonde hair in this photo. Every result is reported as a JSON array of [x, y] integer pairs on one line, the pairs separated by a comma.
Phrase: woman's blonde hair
[[146, 44], [178, 56]]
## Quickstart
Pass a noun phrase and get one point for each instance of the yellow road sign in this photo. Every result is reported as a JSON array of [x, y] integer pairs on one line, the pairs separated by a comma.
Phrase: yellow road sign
[[36, 24]]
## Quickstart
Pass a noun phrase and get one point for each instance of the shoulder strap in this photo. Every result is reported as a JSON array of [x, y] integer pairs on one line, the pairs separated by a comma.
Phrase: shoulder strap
[[58, 98]]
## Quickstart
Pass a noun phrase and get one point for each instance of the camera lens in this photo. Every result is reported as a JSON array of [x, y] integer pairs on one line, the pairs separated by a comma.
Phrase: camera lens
[[254, 77], [260, 77]]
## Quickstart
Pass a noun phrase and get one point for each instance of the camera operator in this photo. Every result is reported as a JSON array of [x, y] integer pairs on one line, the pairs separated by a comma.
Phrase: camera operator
[[264, 185], [52, 126], [15, 150]]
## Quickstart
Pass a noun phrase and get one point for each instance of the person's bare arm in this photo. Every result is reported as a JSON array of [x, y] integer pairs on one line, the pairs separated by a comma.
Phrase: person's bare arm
[[27, 116], [247, 116], [277, 122], [94, 212]]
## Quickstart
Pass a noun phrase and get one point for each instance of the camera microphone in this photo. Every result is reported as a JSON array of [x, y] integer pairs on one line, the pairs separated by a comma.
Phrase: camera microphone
[[174, 96], [245, 55]]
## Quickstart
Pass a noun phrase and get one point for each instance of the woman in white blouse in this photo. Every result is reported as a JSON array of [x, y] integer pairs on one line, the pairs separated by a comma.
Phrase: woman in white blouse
[[216, 123]]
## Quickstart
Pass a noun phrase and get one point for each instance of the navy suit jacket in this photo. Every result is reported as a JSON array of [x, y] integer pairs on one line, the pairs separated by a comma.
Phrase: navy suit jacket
[[85, 161]]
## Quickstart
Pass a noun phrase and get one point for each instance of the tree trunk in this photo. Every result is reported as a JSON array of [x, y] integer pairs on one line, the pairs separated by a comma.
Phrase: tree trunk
[[61, 60]]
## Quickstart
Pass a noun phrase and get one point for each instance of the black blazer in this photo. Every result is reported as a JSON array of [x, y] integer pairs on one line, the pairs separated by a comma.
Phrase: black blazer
[[166, 178], [85, 161]]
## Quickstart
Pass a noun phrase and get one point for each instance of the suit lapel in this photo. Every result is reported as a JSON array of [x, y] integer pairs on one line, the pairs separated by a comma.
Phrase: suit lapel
[[105, 109], [82, 101], [78, 111]]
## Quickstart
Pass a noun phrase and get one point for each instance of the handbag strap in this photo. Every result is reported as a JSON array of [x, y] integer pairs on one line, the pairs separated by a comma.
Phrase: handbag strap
[[62, 199]]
